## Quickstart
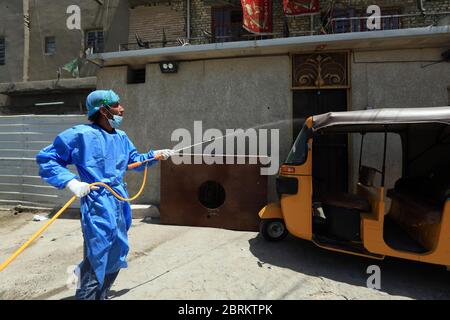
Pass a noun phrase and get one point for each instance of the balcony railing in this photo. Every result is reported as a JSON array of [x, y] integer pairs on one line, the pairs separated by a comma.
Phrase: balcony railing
[[334, 25], [387, 22], [205, 39]]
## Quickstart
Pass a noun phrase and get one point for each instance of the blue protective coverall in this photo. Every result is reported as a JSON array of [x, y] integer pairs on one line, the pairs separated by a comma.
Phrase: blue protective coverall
[[98, 156]]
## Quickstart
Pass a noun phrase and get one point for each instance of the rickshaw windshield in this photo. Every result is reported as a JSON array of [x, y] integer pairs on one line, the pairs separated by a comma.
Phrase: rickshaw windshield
[[299, 150]]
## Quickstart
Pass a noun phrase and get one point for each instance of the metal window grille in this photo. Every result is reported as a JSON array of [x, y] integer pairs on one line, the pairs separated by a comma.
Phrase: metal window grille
[[50, 45], [2, 51], [95, 41]]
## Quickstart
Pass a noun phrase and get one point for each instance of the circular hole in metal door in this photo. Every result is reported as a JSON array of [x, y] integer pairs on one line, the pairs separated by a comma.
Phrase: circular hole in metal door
[[211, 194]]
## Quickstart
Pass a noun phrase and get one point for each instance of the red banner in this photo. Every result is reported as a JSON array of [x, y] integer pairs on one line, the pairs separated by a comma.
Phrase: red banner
[[299, 7], [257, 16]]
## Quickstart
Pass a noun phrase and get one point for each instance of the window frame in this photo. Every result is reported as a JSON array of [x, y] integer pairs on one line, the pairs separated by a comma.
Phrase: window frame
[[3, 51], [97, 48], [228, 33], [46, 46]]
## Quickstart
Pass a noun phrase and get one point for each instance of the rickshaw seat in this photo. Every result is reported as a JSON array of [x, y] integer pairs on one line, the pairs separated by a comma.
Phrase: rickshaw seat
[[417, 212], [348, 201], [421, 198]]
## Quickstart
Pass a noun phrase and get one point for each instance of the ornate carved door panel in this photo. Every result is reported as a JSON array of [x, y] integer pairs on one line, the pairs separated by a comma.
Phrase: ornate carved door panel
[[320, 71]]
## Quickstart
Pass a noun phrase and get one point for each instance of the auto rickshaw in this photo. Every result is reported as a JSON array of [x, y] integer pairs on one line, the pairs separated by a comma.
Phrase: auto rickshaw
[[411, 220]]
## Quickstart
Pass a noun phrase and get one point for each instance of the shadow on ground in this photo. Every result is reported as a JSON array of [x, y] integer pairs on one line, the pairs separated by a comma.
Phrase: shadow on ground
[[112, 294], [398, 277]]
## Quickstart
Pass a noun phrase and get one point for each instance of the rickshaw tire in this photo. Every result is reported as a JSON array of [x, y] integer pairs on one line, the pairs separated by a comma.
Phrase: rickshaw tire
[[265, 229]]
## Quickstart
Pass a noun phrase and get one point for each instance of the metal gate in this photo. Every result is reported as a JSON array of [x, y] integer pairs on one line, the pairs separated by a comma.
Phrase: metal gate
[[21, 138]]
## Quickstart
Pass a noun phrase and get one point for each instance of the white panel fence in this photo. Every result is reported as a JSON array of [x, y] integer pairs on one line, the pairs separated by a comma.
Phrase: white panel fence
[[21, 138]]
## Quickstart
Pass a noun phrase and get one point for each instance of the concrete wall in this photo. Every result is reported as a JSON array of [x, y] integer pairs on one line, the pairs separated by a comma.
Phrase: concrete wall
[[224, 94], [49, 18], [11, 28], [399, 78]]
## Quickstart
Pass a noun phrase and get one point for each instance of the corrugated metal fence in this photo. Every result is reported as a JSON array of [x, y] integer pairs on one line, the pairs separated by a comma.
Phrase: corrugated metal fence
[[21, 138]]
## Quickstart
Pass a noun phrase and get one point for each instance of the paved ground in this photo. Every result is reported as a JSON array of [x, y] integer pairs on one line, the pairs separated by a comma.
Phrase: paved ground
[[174, 262]]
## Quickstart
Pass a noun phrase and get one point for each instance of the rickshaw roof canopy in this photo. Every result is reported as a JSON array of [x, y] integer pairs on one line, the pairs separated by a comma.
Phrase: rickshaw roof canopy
[[376, 120]]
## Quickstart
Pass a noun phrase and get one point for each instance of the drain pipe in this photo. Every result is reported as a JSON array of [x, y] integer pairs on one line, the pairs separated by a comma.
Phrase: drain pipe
[[26, 40], [420, 6], [188, 19]]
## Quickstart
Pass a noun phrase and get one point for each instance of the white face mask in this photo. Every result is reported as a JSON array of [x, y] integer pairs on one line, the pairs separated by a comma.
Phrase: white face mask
[[116, 121]]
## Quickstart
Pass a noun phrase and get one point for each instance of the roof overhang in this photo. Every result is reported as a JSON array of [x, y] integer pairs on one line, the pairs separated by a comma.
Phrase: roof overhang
[[48, 86], [430, 37]]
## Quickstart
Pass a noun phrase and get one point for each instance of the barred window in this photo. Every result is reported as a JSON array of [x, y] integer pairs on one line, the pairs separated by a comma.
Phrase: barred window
[[50, 45], [95, 41], [227, 24]]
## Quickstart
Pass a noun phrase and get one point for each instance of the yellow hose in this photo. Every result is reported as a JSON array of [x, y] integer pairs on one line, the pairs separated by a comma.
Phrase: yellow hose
[[68, 203]]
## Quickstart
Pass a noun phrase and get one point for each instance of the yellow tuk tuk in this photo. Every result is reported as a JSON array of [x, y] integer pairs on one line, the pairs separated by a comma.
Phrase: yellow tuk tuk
[[409, 220]]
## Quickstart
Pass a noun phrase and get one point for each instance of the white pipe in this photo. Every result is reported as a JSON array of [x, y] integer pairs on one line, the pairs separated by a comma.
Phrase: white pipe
[[188, 19], [48, 103], [26, 40]]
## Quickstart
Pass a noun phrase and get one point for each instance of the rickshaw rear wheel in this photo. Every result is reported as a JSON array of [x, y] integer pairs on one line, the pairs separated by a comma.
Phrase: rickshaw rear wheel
[[273, 229]]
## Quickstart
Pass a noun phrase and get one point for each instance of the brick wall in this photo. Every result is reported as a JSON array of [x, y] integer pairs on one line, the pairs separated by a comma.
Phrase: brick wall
[[200, 18], [149, 22], [297, 25], [278, 17], [430, 6]]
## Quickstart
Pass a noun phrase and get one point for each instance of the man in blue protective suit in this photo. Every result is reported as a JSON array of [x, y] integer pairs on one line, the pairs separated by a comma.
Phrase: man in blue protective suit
[[102, 153]]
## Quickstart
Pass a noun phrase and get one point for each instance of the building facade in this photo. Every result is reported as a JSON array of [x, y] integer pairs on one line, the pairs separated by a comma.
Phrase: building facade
[[42, 42], [276, 84], [36, 34], [308, 65]]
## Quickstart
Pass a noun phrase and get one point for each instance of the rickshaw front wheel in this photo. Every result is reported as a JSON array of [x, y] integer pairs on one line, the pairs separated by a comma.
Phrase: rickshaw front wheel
[[273, 229]]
